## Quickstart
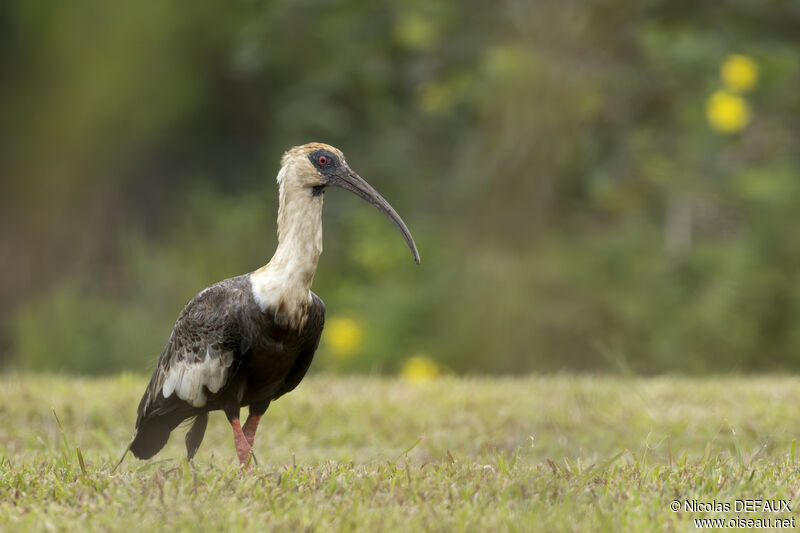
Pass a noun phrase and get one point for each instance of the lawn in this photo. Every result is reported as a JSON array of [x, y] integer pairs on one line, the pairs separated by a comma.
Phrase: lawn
[[549, 453]]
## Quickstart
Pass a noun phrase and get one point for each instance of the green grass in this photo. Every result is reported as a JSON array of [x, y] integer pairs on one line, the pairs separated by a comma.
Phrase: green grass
[[372, 454]]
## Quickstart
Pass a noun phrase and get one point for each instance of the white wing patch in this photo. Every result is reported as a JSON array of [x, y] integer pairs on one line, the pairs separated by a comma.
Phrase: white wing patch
[[187, 379]]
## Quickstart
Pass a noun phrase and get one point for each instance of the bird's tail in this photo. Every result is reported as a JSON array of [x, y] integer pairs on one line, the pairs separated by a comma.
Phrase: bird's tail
[[151, 435]]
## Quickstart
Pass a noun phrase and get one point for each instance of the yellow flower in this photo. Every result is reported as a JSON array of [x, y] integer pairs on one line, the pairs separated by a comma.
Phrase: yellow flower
[[419, 369], [739, 73], [726, 112], [343, 336]]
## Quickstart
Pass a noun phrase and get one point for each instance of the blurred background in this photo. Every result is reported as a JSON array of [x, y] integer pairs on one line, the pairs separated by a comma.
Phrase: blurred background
[[604, 186]]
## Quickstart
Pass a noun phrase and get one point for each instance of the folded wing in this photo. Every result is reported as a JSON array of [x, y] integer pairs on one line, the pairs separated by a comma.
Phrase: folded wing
[[200, 359]]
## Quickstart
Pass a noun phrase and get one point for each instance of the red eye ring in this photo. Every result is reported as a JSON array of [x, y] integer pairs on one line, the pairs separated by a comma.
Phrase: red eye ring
[[322, 160]]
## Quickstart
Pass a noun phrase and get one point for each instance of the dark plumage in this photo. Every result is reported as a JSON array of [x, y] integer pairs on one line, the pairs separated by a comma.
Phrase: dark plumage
[[266, 362]]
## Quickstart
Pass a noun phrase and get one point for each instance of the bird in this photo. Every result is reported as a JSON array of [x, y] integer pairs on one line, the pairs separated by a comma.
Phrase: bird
[[248, 340]]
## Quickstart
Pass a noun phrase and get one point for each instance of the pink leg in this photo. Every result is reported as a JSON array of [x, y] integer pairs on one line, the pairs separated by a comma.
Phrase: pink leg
[[240, 441], [250, 427]]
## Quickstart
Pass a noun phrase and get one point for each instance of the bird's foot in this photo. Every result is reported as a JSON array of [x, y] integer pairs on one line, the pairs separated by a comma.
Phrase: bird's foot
[[249, 463], [244, 453]]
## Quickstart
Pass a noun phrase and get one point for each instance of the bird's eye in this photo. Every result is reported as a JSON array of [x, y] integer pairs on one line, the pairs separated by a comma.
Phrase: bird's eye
[[323, 160]]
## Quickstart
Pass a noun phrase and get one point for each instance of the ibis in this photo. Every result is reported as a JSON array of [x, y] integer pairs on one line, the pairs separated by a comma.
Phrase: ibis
[[248, 340]]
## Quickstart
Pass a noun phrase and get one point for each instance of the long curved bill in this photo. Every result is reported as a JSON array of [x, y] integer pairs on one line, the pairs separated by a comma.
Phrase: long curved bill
[[354, 183]]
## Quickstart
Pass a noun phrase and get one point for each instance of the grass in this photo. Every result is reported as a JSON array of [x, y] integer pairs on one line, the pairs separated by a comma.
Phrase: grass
[[556, 453]]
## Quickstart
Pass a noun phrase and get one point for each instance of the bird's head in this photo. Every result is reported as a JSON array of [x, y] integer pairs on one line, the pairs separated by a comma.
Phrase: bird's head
[[315, 166]]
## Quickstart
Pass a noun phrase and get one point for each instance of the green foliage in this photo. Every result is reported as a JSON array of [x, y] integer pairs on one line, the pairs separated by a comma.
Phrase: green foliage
[[100, 333], [554, 453], [580, 198]]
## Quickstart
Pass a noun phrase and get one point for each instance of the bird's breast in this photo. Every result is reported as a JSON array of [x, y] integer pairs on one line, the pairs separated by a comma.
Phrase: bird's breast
[[275, 353]]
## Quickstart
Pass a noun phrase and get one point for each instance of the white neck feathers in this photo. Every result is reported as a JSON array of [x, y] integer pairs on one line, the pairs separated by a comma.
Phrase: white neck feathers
[[282, 286]]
